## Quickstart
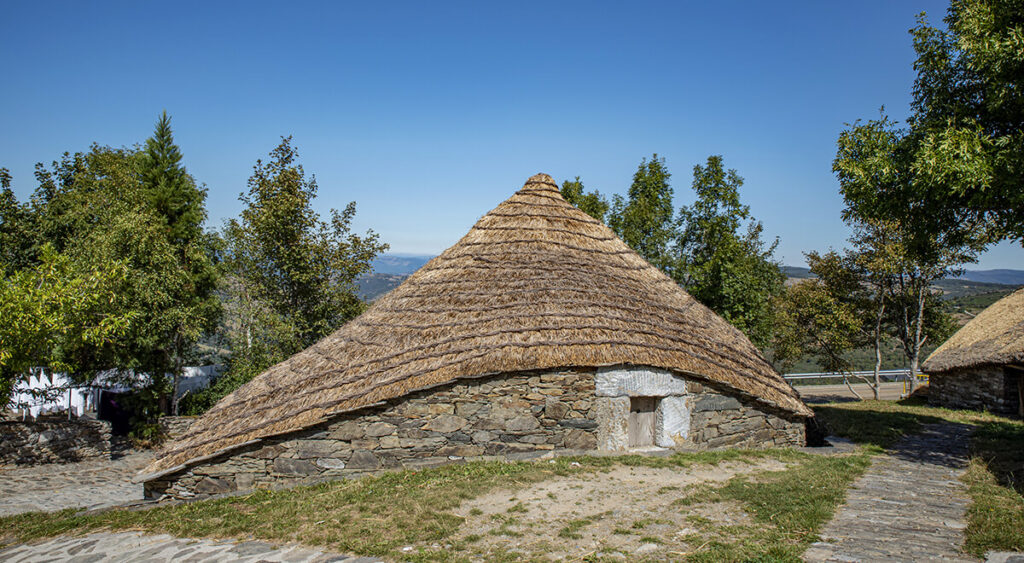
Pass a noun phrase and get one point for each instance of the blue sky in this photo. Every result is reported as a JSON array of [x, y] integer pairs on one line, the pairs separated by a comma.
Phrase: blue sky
[[430, 114]]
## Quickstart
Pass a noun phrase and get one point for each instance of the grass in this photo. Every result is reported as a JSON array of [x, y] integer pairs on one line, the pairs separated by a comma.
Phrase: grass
[[995, 473], [375, 515]]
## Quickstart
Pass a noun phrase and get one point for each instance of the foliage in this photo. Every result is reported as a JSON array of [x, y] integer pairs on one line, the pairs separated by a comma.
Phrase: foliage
[[51, 312], [15, 228], [730, 271], [968, 111], [591, 203], [644, 218], [178, 207], [290, 276]]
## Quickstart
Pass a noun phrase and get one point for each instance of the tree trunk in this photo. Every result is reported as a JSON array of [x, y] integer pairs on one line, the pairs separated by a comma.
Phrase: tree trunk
[[878, 351], [918, 328], [177, 376]]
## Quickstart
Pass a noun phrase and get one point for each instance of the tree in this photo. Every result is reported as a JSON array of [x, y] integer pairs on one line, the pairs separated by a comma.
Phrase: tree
[[51, 312], [882, 184], [179, 208], [291, 275], [591, 203], [968, 112], [644, 220], [15, 229], [730, 271]]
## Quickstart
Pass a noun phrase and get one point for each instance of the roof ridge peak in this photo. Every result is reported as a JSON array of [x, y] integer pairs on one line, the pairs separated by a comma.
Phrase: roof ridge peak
[[540, 182]]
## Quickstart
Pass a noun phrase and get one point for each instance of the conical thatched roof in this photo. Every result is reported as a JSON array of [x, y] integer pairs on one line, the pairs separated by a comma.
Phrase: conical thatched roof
[[535, 284], [994, 337]]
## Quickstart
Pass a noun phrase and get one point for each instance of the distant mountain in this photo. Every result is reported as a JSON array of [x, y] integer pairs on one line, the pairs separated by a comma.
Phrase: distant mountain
[[399, 263], [796, 272], [372, 286], [1005, 277]]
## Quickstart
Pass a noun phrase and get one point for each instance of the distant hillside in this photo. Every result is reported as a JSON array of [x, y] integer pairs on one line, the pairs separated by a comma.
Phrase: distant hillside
[[399, 263], [1007, 277], [374, 285], [796, 272]]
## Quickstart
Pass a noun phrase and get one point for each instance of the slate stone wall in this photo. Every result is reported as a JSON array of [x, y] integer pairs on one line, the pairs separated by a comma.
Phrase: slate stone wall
[[54, 440], [990, 388], [719, 420], [517, 416]]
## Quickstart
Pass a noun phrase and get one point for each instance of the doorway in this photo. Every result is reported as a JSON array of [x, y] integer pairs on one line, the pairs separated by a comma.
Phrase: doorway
[[642, 421]]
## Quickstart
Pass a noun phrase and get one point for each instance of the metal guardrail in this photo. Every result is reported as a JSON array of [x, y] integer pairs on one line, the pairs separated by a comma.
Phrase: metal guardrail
[[885, 374]]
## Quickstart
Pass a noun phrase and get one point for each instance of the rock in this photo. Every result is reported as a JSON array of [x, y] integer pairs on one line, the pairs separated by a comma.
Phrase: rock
[[582, 423], [556, 410], [647, 548], [441, 408], [289, 466], [362, 459], [461, 451], [522, 424], [214, 486], [268, 452], [330, 463], [709, 402], [446, 423], [389, 442], [577, 439], [378, 429], [481, 436], [349, 430]]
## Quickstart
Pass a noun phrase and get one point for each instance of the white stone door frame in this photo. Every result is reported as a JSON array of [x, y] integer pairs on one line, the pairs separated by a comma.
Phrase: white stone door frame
[[614, 386]]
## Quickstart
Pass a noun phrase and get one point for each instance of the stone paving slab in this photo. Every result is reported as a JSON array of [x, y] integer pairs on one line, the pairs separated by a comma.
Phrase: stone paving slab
[[908, 506], [137, 547], [86, 484]]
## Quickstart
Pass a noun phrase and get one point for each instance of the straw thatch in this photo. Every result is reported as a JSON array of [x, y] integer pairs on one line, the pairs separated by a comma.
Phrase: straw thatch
[[535, 284], [994, 337]]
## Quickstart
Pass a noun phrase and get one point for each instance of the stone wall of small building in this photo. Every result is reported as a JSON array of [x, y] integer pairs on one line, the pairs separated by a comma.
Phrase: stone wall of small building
[[506, 416], [990, 388], [54, 440]]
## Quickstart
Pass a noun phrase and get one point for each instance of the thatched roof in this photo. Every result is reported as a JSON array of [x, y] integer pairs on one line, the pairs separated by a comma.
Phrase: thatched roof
[[994, 337], [535, 284]]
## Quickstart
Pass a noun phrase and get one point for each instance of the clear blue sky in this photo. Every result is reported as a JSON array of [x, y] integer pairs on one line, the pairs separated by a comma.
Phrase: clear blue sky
[[429, 114]]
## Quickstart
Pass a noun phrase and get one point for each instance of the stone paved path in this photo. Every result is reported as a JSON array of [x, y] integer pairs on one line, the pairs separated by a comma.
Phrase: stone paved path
[[908, 506], [92, 484], [136, 547]]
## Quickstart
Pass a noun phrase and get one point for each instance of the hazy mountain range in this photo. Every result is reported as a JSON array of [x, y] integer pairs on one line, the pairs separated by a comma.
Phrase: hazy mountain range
[[390, 270]]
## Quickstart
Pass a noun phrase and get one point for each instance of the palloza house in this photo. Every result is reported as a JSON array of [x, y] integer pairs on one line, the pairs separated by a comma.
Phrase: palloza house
[[982, 365], [540, 331]]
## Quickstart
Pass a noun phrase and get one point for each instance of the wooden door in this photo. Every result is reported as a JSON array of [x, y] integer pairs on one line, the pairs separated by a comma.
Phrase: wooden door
[[642, 421]]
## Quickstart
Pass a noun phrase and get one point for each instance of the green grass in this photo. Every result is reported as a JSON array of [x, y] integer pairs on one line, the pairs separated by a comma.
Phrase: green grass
[[374, 515], [995, 474]]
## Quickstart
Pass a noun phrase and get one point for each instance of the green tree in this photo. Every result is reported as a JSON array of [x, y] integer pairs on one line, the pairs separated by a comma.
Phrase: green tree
[[291, 276], [644, 219], [968, 112], [720, 258], [15, 229], [591, 203], [51, 312], [882, 184], [178, 206]]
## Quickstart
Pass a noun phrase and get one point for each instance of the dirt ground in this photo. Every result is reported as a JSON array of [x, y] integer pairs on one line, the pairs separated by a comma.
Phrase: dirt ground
[[626, 512]]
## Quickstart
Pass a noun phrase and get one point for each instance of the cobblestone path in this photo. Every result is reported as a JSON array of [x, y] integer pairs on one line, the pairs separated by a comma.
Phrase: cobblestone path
[[140, 548], [93, 484], [908, 506]]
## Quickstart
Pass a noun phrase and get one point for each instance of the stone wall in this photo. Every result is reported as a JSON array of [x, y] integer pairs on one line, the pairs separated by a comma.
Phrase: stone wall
[[175, 426], [54, 440], [516, 416], [989, 388]]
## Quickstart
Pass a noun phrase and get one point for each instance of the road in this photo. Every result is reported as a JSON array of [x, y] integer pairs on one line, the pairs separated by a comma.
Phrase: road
[[891, 391]]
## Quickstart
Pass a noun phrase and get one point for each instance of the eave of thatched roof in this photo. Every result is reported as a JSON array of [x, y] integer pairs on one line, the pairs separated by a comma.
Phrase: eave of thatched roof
[[994, 337], [535, 284]]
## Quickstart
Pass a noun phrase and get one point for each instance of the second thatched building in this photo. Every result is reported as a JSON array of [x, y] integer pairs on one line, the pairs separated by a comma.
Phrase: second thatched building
[[539, 331], [982, 365]]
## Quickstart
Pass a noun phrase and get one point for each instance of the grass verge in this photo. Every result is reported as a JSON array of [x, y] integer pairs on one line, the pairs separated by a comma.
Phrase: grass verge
[[994, 476]]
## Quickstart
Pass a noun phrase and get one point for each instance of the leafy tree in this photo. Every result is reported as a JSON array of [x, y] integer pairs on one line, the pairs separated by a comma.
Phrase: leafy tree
[[178, 205], [291, 276], [882, 185], [968, 112], [644, 220], [15, 229], [51, 312], [591, 203], [730, 270]]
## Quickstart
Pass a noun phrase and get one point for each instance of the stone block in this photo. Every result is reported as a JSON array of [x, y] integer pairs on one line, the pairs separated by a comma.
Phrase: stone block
[[330, 463], [461, 451], [583, 423], [363, 460], [556, 410], [522, 424], [348, 430], [378, 429], [388, 442], [214, 486], [441, 408], [577, 439], [288, 466], [446, 423], [709, 402]]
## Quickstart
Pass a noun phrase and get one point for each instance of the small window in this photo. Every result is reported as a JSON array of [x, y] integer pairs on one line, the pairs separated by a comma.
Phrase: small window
[[642, 420]]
